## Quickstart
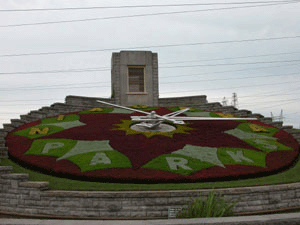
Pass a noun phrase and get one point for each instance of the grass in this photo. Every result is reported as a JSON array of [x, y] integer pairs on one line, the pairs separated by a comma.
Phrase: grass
[[290, 176], [213, 206]]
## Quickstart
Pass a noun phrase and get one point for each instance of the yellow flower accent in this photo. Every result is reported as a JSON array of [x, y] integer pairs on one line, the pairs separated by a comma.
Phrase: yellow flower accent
[[60, 117], [139, 106], [126, 124], [35, 130], [225, 115], [257, 128], [96, 110]]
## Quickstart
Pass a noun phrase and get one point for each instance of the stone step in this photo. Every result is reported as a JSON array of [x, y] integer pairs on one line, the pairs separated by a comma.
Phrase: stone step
[[64, 108], [277, 124], [38, 114], [288, 129], [257, 115], [3, 152], [22, 177], [229, 109], [266, 120], [35, 184], [3, 133], [243, 113], [296, 135], [49, 111], [17, 122], [3, 155], [2, 149], [2, 143], [5, 169], [28, 118], [8, 127]]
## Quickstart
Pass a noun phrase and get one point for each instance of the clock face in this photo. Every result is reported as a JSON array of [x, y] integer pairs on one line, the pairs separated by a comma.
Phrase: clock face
[[100, 144]]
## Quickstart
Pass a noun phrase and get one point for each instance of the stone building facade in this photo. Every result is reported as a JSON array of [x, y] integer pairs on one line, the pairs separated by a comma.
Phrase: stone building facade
[[134, 78]]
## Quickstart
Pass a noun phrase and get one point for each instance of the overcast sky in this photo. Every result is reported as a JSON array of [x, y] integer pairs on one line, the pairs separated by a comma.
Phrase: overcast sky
[[252, 48]]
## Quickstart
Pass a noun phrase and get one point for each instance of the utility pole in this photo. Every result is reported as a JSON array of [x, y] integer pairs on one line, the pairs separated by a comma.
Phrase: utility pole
[[234, 102], [278, 118], [224, 101]]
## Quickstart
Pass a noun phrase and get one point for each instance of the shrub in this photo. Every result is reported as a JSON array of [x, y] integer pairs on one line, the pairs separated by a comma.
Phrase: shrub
[[213, 206]]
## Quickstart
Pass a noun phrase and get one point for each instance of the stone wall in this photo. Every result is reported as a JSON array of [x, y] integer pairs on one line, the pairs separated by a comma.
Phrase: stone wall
[[22, 196], [190, 101], [18, 195]]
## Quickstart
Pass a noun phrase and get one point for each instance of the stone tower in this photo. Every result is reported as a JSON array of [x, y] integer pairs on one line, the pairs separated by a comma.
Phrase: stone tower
[[134, 78]]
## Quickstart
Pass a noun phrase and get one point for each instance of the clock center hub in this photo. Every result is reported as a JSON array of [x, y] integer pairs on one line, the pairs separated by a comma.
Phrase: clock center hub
[[161, 128]]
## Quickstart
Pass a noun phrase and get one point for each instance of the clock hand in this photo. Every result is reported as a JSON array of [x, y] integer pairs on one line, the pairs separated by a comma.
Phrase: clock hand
[[124, 107], [153, 125], [213, 118], [153, 120], [153, 116]]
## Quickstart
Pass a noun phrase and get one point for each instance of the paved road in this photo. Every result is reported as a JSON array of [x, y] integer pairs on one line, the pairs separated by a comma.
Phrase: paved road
[[289, 218]]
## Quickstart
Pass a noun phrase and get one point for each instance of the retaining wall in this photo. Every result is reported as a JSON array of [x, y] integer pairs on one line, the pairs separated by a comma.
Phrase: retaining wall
[[22, 196], [17, 194]]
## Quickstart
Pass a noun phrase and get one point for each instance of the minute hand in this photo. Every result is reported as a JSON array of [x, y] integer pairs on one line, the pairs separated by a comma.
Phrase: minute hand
[[140, 111], [212, 118]]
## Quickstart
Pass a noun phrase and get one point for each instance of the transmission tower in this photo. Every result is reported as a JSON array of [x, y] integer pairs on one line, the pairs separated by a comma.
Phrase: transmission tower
[[224, 101], [278, 118], [234, 102]]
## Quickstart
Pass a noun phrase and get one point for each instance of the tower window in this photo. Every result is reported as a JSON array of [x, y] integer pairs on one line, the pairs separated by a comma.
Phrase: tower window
[[136, 79]]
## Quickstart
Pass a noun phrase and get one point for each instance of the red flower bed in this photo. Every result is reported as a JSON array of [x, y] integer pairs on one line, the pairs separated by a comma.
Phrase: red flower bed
[[201, 150]]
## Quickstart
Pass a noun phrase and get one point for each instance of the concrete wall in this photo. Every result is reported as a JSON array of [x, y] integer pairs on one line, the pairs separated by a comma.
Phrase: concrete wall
[[120, 63], [22, 196], [183, 101], [192, 101]]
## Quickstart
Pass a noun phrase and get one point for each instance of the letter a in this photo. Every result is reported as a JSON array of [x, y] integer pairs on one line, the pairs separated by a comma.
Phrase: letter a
[[176, 162], [100, 158]]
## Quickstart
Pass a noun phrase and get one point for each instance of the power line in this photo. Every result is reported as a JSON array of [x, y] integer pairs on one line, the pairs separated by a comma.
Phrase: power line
[[95, 69], [49, 87], [154, 46], [139, 6], [142, 15], [230, 64], [65, 87], [247, 96], [278, 100], [232, 78], [261, 94], [239, 57], [269, 95], [58, 71], [188, 81], [285, 103], [245, 86], [35, 100], [226, 71], [244, 96]]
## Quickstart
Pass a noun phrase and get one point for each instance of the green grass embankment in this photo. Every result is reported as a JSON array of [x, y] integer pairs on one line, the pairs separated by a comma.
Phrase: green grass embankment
[[290, 176]]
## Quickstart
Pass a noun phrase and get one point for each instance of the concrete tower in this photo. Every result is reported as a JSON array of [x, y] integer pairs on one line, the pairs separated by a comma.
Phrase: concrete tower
[[134, 78]]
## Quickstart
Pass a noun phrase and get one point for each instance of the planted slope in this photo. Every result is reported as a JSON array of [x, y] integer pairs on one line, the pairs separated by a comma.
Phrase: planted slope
[[99, 145]]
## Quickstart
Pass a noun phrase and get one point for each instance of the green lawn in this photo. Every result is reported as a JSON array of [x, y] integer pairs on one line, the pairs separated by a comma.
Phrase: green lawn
[[290, 176]]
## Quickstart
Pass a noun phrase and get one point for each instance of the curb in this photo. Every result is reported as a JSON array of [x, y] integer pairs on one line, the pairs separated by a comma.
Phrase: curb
[[288, 218]]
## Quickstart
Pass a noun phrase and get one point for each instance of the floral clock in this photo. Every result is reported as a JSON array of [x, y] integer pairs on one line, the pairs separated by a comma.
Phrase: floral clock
[[100, 145]]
